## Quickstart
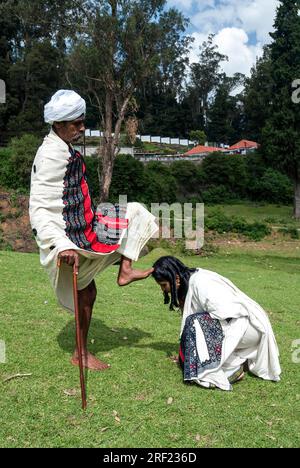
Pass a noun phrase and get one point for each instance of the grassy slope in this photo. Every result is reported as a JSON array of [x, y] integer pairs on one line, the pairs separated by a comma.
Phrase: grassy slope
[[273, 214], [134, 331]]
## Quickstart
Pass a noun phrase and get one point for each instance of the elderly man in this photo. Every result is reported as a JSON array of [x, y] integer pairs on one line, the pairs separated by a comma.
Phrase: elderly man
[[67, 229]]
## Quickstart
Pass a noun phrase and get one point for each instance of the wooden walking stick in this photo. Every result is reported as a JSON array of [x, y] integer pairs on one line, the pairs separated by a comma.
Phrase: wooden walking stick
[[78, 333], [79, 337]]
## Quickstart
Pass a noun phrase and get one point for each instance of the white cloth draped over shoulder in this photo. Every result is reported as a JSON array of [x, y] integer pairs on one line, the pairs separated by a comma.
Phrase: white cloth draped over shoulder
[[211, 293], [49, 225]]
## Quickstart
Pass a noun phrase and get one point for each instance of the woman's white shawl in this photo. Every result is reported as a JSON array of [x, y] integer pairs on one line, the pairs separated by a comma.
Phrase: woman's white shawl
[[209, 292]]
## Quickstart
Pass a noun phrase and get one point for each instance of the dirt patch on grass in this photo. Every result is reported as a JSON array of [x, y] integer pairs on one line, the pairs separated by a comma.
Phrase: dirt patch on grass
[[15, 229], [276, 243]]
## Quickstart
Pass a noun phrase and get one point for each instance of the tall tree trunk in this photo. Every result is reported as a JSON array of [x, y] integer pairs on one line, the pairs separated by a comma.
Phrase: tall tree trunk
[[111, 144], [108, 157], [297, 197], [108, 150]]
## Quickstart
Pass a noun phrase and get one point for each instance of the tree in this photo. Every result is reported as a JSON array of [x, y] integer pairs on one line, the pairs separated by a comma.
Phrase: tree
[[258, 97], [198, 136], [281, 138], [33, 44], [122, 45], [225, 115]]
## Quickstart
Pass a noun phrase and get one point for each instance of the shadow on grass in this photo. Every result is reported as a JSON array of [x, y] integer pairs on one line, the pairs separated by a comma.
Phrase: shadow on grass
[[106, 338]]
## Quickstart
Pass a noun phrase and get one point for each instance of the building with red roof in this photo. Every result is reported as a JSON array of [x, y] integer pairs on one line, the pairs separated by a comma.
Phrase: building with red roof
[[244, 145], [202, 150]]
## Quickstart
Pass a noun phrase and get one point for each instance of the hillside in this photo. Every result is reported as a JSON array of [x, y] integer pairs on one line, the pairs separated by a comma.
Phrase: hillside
[[15, 229]]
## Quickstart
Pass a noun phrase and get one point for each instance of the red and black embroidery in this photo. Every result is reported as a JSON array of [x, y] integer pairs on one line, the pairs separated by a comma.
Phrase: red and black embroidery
[[78, 212]]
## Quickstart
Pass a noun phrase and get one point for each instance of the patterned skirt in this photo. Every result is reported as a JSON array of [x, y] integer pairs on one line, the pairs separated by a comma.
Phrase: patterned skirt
[[200, 346]]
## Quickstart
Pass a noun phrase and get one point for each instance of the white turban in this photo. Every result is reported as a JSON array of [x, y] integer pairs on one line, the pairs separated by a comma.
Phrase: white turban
[[64, 106]]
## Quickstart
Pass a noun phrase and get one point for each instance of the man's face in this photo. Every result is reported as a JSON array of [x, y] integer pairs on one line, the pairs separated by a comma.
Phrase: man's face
[[70, 132]]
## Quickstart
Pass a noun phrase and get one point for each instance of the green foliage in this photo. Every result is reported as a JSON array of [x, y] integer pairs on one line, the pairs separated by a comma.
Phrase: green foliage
[[152, 183], [198, 136], [225, 113], [257, 97], [160, 184], [218, 194], [281, 140], [187, 177], [274, 187], [6, 170], [23, 151], [220, 179], [227, 170], [219, 222], [128, 179], [293, 232], [16, 162]]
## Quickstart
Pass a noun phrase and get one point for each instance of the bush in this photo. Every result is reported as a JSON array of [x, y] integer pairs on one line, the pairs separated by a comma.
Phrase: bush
[[187, 177], [273, 187], [219, 222], [16, 162], [160, 185], [128, 179], [6, 170], [218, 195], [226, 170]]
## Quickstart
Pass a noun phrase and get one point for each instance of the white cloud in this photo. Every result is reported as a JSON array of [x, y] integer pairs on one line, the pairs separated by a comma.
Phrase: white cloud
[[234, 43], [254, 16], [233, 22]]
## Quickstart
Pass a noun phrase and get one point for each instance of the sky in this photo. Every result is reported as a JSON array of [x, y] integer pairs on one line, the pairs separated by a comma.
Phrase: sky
[[241, 26]]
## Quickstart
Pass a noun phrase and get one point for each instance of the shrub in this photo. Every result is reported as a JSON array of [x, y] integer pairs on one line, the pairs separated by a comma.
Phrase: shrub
[[6, 170], [219, 222], [187, 178], [226, 170], [16, 162], [273, 187], [217, 195], [128, 179], [160, 185]]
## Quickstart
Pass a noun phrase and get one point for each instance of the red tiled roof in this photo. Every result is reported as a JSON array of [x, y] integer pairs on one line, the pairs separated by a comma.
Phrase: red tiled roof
[[202, 149], [244, 144]]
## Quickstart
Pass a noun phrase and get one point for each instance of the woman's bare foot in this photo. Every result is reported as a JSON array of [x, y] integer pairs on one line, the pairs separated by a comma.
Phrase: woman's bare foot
[[128, 276], [89, 362]]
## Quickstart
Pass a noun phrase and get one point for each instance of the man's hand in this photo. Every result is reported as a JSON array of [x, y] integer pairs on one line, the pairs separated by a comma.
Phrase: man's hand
[[70, 257]]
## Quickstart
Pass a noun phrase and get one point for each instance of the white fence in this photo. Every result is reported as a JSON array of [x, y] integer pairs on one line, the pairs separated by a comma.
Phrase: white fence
[[148, 138]]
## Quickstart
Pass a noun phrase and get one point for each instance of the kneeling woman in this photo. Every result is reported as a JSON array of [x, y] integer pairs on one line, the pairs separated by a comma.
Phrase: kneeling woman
[[222, 328]]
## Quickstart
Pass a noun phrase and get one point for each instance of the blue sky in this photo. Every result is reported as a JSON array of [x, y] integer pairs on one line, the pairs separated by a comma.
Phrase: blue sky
[[241, 26]]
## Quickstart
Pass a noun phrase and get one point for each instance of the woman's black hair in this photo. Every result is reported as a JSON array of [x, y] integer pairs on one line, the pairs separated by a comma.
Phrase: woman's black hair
[[166, 269]]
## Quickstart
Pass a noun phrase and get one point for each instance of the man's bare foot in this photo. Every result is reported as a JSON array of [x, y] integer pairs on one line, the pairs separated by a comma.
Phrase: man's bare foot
[[89, 362], [129, 276]]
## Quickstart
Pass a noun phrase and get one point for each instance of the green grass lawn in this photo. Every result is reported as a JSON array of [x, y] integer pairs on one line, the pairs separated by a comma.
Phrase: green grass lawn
[[276, 215], [137, 335]]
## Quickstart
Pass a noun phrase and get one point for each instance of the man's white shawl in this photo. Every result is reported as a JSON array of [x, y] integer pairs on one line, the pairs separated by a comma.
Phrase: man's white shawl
[[46, 217]]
